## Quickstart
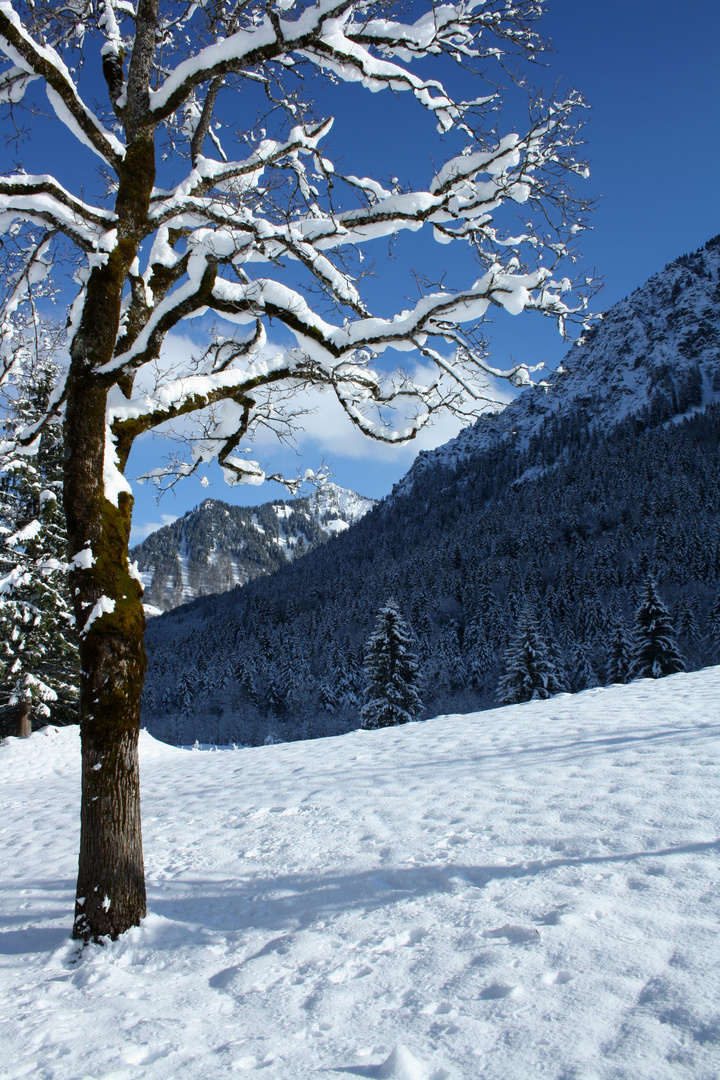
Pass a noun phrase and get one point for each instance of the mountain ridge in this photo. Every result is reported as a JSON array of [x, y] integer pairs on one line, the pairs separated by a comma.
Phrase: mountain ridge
[[216, 546], [665, 363]]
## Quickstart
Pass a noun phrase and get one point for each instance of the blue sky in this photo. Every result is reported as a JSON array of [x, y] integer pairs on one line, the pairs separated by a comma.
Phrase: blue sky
[[649, 70]]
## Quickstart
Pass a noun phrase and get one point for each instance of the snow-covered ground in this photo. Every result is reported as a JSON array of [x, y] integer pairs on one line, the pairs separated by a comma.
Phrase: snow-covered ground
[[525, 893]]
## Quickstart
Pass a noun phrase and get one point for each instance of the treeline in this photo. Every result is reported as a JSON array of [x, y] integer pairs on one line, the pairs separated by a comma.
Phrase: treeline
[[568, 531]]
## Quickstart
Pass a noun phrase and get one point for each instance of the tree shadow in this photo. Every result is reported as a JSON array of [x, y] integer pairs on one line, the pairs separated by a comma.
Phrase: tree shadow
[[288, 899], [33, 939]]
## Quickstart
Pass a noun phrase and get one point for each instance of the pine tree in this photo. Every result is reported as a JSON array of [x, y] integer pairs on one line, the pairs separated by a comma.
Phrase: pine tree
[[451, 669], [529, 672], [685, 621], [655, 652], [39, 667], [480, 657], [620, 662], [714, 625], [584, 675], [391, 671]]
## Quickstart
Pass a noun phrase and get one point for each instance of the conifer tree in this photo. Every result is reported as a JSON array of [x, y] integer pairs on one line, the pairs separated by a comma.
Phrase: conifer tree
[[655, 653], [451, 669], [391, 671], [714, 625], [620, 662], [39, 668], [584, 676], [479, 654], [529, 672]]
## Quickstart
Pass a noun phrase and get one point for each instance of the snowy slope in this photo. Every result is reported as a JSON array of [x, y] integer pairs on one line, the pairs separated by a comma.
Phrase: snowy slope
[[662, 343], [520, 894]]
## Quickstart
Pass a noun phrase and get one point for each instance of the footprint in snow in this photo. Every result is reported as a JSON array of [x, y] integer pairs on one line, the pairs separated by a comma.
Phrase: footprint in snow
[[557, 978], [553, 917], [222, 979], [409, 937], [517, 935], [251, 1062], [454, 839], [472, 893], [497, 990]]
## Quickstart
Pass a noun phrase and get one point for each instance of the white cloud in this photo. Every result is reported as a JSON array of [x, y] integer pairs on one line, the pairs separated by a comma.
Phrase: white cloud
[[326, 436], [329, 432]]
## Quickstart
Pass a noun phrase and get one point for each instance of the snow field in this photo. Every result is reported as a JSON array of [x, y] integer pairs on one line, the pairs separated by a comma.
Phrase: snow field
[[524, 893]]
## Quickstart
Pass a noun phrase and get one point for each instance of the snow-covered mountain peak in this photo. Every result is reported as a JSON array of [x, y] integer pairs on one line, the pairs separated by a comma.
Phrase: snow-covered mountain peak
[[335, 506], [658, 349], [216, 547]]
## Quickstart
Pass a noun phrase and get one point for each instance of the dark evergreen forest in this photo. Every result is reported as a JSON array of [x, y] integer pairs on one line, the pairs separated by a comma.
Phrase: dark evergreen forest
[[566, 531]]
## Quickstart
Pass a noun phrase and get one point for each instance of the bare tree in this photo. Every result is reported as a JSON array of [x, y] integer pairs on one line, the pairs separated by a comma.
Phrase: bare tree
[[256, 228]]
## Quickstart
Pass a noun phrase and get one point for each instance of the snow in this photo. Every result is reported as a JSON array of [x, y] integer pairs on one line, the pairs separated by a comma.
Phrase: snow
[[524, 893], [105, 605], [84, 559]]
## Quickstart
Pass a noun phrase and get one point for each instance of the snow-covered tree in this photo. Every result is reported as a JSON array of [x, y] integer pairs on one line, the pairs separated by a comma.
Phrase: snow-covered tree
[[620, 661], [480, 658], [391, 671], [39, 668], [194, 214], [450, 668], [529, 672], [656, 653], [713, 634], [583, 675]]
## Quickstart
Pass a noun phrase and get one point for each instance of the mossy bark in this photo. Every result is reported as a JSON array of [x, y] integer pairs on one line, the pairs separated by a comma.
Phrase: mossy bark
[[110, 894], [111, 886]]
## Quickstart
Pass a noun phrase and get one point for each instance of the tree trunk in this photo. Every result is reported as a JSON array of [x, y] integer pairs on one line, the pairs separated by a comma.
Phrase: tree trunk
[[109, 614], [24, 715], [110, 894], [111, 886]]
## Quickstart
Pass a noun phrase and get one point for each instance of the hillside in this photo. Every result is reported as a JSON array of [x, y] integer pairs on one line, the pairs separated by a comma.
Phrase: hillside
[[526, 894], [564, 519], [216, 547], [657, 349]]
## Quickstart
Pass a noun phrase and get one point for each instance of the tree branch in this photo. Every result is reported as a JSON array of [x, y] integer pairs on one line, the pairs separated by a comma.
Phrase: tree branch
[[43, 61]]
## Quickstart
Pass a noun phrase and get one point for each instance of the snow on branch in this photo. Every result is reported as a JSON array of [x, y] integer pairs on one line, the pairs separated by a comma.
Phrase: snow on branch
[[42, 61], [41, 199], [278, 200]]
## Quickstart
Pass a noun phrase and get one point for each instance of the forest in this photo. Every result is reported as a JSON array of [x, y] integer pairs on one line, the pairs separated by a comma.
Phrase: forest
[[569, 530]]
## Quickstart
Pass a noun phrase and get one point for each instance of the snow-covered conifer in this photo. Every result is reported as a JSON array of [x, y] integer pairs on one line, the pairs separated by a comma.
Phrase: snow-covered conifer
[[479, 655], [620, 661], [452, 674], [529, 672], [655, 653], [391, 670], [713, 623], [583, 674], [39, 668]]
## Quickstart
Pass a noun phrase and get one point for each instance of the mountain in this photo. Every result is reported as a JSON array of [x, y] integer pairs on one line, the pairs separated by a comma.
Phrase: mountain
[[559, 509], [657, 349], [216, 547]]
